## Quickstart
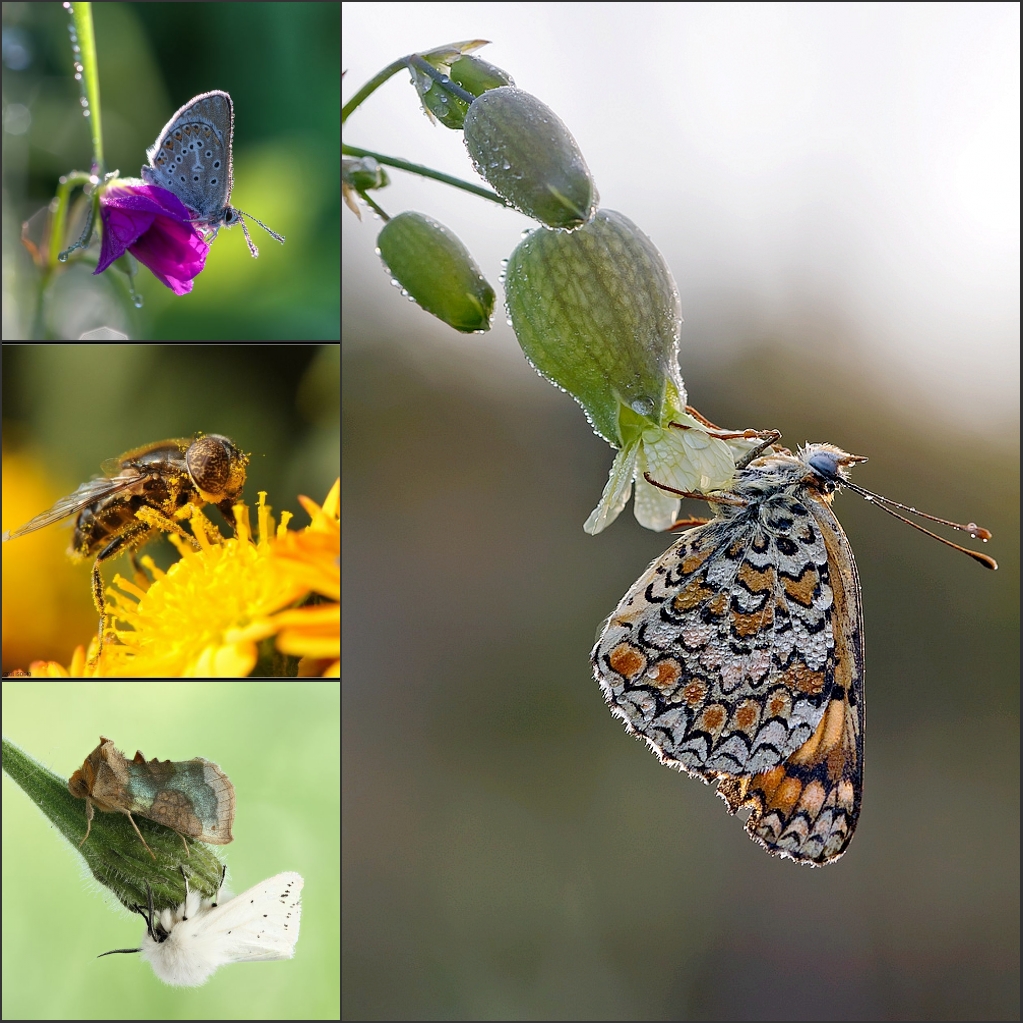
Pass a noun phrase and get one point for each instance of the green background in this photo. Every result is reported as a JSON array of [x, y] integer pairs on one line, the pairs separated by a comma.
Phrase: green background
[[281, 64], [279, 744]]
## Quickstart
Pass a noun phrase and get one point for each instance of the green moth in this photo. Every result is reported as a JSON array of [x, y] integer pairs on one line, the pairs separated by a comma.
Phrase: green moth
[[193, 797]]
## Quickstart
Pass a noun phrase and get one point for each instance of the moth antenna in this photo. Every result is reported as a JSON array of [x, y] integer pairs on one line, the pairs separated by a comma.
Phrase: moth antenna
[[978, 532], [149, 927]]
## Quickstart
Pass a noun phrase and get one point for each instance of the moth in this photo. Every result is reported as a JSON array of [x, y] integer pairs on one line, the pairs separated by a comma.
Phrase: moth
[[192, 797], [188, 944]]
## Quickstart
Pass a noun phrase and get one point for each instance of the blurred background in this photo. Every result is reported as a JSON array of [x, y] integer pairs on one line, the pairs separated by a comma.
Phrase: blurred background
[[68, 408], [280, 63], [835, 188], [277, 742]]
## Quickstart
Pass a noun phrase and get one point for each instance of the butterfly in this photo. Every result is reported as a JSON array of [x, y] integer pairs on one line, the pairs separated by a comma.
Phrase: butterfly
[[738, 654]]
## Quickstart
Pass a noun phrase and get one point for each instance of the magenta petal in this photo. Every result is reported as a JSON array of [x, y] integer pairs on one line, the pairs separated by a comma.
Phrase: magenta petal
[[155, 226], [174, 253]]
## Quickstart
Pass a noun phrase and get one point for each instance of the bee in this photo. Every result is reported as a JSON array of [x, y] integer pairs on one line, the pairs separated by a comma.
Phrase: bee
[[143, 493]]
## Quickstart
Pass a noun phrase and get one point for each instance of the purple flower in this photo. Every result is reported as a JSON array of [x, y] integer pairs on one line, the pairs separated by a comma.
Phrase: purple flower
[[154, 226]]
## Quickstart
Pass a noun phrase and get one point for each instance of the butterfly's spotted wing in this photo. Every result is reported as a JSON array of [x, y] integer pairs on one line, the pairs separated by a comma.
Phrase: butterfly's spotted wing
[[738, 656]]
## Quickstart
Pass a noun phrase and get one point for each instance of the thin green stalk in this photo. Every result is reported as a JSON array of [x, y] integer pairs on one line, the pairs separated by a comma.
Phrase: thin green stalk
[[371, 86], [426, 172]]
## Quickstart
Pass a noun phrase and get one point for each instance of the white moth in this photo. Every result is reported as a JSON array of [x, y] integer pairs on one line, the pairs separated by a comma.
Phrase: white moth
[[185, 946]]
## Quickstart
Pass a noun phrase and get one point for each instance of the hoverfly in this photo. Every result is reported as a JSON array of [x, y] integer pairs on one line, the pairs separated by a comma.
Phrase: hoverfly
[[144, 492]]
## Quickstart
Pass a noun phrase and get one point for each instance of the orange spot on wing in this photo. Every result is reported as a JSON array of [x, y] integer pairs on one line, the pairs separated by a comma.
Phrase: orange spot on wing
[[756, 580], [750, 624], [627, 660], [694, 559], [804, 589], [665, 674], [694, 692]]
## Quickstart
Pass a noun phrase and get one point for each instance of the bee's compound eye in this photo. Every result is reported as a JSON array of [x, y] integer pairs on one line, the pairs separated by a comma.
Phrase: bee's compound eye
[[208, 460]]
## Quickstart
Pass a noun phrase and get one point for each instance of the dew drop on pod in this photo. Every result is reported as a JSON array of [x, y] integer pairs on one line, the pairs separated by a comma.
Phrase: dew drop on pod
[[523, 149], [596, 311], [435, 268]]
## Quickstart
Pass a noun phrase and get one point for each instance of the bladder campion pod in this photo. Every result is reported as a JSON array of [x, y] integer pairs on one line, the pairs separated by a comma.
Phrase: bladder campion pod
[[192, 797]]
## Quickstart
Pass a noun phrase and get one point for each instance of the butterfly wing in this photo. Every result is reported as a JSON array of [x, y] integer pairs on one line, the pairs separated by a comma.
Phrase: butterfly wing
[[807, 807], [722, 654]]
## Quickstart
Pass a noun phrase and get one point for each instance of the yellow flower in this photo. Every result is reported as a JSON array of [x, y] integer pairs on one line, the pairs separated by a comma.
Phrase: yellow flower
[[217, 612]]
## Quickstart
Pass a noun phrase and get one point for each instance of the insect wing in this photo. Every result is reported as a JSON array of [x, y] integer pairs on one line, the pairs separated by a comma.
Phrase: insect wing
[[738, 657], [194, 797], [94, 490], [807, 807], [261, 924], [721, 655]]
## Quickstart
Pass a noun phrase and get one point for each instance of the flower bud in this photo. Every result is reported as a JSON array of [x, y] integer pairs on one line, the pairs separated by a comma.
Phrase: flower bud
[[363, 174], [435, 268], [523, 149], [477, 76], [443, 96], [596, 311]]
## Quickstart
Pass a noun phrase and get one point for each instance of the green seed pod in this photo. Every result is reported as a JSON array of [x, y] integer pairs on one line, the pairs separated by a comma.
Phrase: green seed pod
[[435, 268], [473, 75], [596, 311], [477, 76], [524, 150]]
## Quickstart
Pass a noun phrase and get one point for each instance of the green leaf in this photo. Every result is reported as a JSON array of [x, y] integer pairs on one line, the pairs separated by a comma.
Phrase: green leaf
[[113, 852]]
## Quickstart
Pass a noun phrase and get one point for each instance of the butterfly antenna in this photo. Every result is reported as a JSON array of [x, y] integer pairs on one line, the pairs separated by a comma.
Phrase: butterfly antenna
[[273, 234], [889, 506]]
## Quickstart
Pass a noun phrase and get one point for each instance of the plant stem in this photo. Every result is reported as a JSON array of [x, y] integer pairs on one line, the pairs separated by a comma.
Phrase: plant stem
[[372, 85], [426, 172]]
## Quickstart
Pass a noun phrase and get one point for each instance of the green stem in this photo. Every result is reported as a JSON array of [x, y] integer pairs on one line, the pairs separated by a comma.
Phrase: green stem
[[374, 207], [426, 172], [372, 85], [441, 79]]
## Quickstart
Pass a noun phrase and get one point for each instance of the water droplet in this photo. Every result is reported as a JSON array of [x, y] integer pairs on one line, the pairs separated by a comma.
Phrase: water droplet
[[642, 405]]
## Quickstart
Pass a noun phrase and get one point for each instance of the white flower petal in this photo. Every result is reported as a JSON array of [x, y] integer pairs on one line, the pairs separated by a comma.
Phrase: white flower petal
[[616, 491], [709, 456], [654, 508], [668, 459]]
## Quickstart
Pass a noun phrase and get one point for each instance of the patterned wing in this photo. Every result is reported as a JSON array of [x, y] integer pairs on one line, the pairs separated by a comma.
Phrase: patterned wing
[[722, 655], [807, 807]]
